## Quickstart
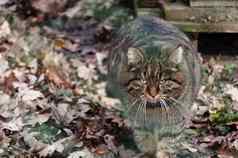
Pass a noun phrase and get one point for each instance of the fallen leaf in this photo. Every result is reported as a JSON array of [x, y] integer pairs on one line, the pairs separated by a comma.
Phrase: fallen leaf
[[80, 154], [50, 149], [49, 6], [57, 77], [4, 29], [3, 2], [26, 93], [4, 99], [32, 142], [33, 119], [86, 72], [233, 92], [13, 125], [8, 83], [4, 65], [29, 95]]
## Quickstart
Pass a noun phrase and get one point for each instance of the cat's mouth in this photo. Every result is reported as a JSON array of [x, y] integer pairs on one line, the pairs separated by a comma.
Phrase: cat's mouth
[[155, 103], [152, 95], [152, 99]]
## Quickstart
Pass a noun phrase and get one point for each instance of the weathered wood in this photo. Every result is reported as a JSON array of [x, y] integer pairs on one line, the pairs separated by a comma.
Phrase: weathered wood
[[181, 12], [148, 7], [149, 11], [213, 3], [200, 27], [147, 3], [196, 19]]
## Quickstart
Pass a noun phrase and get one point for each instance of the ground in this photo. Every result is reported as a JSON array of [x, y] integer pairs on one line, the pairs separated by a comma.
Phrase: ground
[[53, 101]]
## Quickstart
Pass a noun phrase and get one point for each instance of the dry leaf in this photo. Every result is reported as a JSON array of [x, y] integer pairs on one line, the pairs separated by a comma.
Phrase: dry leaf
[[57, 77], [14, 125], [81, 154], [86, 72], [26, 93], [8, 83], [233, 92], [4, 29], [3, 2], [50, 149], [4, 65], [49, 6], [32, 142]]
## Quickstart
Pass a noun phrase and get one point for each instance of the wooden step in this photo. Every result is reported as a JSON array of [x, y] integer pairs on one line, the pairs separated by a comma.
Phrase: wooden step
[[213, 3], [147, 3], [181, 12], [201, 27]]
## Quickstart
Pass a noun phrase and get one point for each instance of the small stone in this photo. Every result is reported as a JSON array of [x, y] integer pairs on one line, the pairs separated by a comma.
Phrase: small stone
[[211, 80], [162, 154], [229, 16], [235, 144], [202, 110], [209, 18], [192, 18]]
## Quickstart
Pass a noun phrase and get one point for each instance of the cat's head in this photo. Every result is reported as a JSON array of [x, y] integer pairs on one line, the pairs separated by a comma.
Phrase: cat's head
[[155, 83], [154, 78]]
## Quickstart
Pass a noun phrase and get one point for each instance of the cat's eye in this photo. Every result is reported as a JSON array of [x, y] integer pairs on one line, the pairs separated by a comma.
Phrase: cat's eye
[[136, 87], [144, 81], [132, 69]]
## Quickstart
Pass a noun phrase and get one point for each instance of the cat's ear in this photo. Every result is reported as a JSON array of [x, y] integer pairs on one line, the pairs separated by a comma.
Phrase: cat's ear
[[176, 55], [134, 56]]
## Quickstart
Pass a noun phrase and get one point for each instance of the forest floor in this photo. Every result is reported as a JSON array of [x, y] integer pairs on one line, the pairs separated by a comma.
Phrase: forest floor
[[53, 101]]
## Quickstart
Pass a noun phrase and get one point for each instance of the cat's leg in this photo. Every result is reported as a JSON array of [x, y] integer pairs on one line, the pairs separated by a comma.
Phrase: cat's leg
[[180, 146]]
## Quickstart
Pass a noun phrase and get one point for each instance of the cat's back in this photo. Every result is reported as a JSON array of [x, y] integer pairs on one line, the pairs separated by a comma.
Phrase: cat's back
[[148, 26]]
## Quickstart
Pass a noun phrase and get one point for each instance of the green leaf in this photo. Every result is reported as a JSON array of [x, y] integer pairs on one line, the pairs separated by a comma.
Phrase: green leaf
[[46, 132]]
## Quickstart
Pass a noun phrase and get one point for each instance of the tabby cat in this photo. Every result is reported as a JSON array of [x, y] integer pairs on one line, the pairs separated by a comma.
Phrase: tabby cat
[[155, 71]]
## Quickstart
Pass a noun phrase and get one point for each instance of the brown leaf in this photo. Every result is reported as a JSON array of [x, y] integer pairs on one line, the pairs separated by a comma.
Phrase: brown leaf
[[2, 49], [49, 6], [101, 151], [57, 77], [4, 29], [8, 83], [60, 43]]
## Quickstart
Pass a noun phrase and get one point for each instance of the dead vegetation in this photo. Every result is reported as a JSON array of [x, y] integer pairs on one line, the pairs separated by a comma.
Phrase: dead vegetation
[[53, 100]]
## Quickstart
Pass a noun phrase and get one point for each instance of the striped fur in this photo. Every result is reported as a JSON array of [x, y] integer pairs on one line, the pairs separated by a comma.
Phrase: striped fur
[[155, 71]]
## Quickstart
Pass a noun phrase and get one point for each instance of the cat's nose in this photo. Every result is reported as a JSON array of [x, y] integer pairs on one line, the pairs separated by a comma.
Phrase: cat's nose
[[153, 92]]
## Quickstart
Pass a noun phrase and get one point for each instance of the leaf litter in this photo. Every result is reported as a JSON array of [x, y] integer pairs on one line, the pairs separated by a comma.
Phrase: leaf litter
[[53, 101]]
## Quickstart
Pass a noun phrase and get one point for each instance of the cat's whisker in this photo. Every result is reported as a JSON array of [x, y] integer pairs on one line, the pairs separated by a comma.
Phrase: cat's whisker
[[162, 110], [178, 109], [171, 113], [166, 109], [164, 103], [143, 114], [176, 101], [137, 111], [132, 105], [145, 117]]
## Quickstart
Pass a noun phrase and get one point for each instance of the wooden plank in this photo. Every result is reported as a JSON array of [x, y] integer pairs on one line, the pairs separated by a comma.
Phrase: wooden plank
[[149, 11], [181, 12], [147, 3], [200, 27], [213, 3]]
